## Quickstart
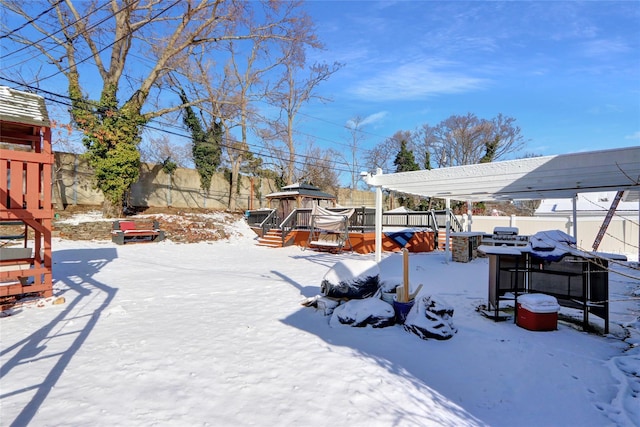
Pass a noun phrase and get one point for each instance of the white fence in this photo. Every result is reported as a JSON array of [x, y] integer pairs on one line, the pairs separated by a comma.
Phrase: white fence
[[622, 237]]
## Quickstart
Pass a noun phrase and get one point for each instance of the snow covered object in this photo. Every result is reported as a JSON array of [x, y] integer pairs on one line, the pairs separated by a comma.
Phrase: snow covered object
[[351, 279], [322, 303], [431, 318], [363, 312]]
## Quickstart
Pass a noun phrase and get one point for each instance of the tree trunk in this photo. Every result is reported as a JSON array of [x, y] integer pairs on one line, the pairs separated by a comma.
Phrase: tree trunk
[[110, 209], [57, 193], [235, 176]]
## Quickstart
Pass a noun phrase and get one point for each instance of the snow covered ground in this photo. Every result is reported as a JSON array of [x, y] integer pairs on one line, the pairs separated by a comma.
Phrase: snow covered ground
[[214, 334]]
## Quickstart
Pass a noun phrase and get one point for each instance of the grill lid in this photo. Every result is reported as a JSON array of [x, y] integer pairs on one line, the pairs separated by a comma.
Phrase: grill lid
[[505, 231]]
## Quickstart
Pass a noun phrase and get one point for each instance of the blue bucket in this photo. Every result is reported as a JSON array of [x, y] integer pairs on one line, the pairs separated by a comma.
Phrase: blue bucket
[[402, 309]]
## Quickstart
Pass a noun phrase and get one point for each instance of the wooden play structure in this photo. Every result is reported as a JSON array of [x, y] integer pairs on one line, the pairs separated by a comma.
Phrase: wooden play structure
[[26, 209]]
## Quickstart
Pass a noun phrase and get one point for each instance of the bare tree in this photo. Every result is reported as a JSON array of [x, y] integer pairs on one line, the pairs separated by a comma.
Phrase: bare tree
[[160, 148], [383, 154], [244, 75], [233, 87], [465, 140], [292, 91], [99, 40], [354, 126], [319, 169]]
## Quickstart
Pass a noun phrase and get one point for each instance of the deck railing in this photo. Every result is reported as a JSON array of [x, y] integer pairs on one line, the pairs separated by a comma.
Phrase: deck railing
[[266, 219], [441, 220], [362, 220], [299, 219]]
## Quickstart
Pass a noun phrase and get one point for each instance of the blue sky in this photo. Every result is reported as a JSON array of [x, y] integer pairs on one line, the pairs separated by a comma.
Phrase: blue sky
[[568, 72]]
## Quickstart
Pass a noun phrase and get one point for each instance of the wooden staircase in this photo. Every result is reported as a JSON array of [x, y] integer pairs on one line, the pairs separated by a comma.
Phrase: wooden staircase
[[272, 239]]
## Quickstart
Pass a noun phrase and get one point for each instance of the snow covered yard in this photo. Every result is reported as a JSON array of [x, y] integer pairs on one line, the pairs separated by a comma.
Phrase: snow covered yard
[[214, 334]]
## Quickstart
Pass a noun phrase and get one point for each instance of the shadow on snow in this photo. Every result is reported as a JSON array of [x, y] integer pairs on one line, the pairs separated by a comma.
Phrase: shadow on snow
[[60, 339]]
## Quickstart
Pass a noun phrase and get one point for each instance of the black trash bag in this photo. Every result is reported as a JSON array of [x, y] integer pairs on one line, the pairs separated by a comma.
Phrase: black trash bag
[[364, 312], [431, 317], [358, 288]]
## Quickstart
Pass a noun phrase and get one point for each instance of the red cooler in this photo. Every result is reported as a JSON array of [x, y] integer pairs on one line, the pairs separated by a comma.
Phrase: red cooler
[[538, 312]]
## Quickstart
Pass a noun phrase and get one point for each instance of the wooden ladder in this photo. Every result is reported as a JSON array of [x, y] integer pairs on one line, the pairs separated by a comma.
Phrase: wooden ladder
[[607, 220]]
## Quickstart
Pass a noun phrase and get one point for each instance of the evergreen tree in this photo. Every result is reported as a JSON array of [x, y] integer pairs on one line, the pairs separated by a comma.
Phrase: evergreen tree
[[427, 161], [491, 148], [405, 160]]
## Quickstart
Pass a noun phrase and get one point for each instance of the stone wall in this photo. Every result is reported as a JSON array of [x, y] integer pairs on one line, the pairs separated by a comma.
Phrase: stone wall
[[73, 186], [98, 230]]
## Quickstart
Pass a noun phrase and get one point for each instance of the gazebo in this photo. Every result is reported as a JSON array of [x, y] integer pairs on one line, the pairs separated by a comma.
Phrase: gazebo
[[298, 195]]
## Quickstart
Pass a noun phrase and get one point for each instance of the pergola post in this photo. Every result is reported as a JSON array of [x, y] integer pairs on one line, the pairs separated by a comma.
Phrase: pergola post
[[575, 217], [447, 250], [378, 228]]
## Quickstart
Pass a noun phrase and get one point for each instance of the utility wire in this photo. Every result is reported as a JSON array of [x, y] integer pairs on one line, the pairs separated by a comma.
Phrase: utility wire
[[260, 153], [614, 213], [166, 124], [110, 44], [52, 96], [32, 20], [31, 44]]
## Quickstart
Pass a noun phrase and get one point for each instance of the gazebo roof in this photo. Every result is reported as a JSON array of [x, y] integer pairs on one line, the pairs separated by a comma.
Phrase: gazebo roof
[[298, 189]]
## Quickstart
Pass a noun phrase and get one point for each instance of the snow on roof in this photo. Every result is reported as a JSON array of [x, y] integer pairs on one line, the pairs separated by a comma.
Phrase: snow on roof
[[587, 204], [400, 209], [300, 190], [536, 178], [22, 107]]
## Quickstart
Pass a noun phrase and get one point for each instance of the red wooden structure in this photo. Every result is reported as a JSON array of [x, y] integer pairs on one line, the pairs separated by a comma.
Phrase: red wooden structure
[[26, 163]]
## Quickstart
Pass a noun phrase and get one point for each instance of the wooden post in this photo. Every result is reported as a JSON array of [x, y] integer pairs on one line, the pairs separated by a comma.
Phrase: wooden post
[[405, 255]]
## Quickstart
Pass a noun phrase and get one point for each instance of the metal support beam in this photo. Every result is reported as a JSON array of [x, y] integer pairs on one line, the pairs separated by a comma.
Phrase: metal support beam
[[447, 250], [378, 228]]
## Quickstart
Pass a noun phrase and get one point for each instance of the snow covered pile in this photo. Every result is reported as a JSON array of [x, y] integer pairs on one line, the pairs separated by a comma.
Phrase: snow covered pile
[[351, 294], [430, 317], [352, 279], [364, 312]]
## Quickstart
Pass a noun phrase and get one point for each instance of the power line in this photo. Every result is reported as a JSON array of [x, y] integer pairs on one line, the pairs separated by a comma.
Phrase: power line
[[164, 129], [260, 153], [31, 44], [165, 124], [32, 20], [333, 124], [614, 213], [343, 126], [110, 44], [362, 150]]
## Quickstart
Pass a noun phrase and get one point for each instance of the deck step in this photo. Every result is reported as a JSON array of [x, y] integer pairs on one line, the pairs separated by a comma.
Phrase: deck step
[[273, 239]]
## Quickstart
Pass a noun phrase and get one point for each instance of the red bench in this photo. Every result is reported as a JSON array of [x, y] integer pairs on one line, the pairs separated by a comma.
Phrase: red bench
[[136, 232]]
